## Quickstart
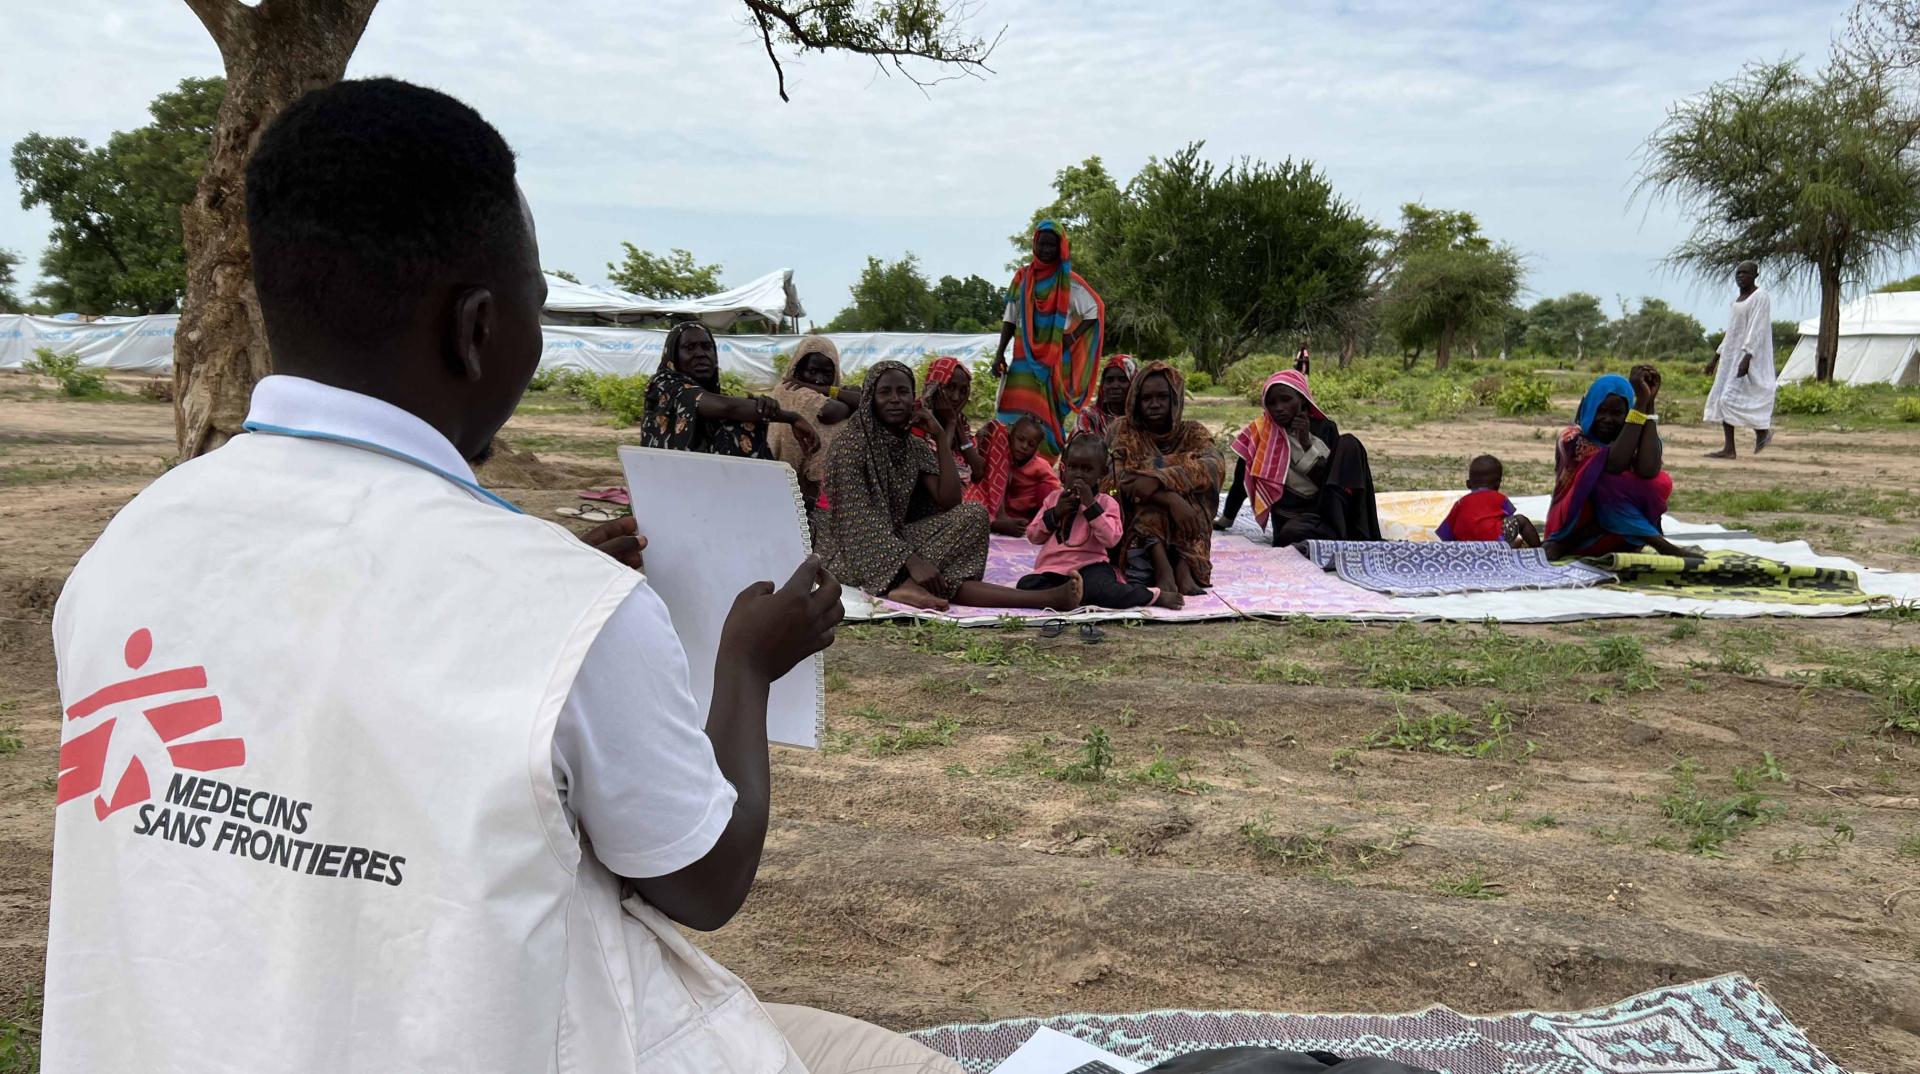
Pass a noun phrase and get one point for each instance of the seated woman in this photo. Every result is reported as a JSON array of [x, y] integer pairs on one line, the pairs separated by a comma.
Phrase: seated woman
[[685, 409], [1169, 474], [1609, 491], [983, 458], [1109, 401], [896, 524], [1030, 478], [1307, 479], [811, 390]]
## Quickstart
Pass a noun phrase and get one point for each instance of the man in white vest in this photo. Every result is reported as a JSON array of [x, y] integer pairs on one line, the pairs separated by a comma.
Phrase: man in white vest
[[361, 768]]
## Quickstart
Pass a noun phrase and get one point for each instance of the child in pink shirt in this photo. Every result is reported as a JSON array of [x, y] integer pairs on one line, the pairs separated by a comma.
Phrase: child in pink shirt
[[1077, 527]]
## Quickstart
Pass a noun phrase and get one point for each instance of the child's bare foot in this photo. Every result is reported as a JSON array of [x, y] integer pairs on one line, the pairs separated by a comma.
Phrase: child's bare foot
[[1065, 598], [1169, 599], [913, 595]]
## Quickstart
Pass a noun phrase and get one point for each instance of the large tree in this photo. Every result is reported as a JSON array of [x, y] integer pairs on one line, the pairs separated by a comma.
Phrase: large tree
[[1814, 175], [970, 305], [1451, 282], [115, 245], [275, 50], [1564, 326], [672, 275], [890, 296], [1231, 257], [9, 300], [1657, 331]]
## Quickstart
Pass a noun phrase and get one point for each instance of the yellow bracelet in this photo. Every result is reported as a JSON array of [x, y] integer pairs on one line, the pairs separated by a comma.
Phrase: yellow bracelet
[[1634, 417]]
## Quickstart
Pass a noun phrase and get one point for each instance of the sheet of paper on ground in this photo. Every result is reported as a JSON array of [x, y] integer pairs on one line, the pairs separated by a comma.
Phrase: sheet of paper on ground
[[714, 526], [1050, 1051]]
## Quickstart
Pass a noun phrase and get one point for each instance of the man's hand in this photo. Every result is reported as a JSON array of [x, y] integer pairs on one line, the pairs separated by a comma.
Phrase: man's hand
[[809, 439], [771, 630], [620, 539], [1713, 363], [1746, 364], [1301, 429], [999, 368]]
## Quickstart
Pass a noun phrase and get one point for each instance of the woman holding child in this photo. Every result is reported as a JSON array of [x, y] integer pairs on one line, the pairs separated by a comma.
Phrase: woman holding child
[[1308, 481], [1000, 466], [686, 410], [811, 389], [897, 525], [1169, 474], [1609, 492]]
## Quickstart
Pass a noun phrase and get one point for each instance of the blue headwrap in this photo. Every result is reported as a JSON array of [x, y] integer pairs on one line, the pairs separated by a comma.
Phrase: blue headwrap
[[1610, 384]]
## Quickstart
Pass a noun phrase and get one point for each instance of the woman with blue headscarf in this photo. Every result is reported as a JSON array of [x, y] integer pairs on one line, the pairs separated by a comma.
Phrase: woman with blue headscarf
[[1609, 491]]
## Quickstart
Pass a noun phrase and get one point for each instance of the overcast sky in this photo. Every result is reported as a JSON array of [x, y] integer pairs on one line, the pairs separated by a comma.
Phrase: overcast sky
[[658, 122]]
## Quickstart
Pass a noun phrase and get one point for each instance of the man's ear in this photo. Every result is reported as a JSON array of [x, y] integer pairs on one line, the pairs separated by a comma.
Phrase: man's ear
[[472, 332]]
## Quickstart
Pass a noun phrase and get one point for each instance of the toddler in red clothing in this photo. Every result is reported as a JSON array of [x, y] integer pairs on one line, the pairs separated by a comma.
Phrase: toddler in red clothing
[[1030, 478], [1076, 529], [1485, 513]]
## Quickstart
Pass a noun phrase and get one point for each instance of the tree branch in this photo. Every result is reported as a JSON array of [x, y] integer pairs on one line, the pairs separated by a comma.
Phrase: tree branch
[[766, 35], [798, 25], [217, 16]]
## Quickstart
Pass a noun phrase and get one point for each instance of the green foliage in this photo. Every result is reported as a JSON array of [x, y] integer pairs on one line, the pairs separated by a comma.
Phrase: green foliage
[[1813, 397], [625, 397], [1447, 732], [1523, 395], [1911, 283], [1907, 410], [1711, 822], [1091, 763], [1169, 774], [890, 296], [1813, 174], [901, 30], [1452, 282], [1199, 381], [674, 274], [76, 382], [1657, 332], [115, 245], [9, 301], [981, 393], [20, 1034], [563, 274], [970, 305], [1473, 884], [1564, 327]]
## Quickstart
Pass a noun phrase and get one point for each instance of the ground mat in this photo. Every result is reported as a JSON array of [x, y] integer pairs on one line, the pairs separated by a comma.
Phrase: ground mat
[[1721, 574], [1438, 568], [1726, 1025]]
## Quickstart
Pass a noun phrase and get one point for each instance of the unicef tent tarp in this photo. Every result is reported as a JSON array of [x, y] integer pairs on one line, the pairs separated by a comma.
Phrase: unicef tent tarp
[[771, 298], [1879, 342], [637, 350], [134, 344]]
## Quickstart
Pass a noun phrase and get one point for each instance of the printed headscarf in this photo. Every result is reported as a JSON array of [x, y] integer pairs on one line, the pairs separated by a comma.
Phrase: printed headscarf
[[871, 475], [1047, 380], [1268, 449]]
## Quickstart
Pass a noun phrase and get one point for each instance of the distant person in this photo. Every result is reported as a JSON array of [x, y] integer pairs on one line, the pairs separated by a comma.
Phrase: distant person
[[897, 526], [1485, 513], [1077, 528], [1303, 362], [1059, 322], [687, 410], [1742, 367], [1308, 480], [1609, 491], [1169, 476], [1109, 402], [812, 391], [434, 791], [1030, 480]]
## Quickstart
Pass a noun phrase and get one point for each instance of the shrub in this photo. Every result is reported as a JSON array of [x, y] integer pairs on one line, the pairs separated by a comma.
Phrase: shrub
[[1484, 389], [76, 382], [561, 379], [1812, 397], [1245, 376], [624, 397], [1523, 395], [1907, 410], [1198, 382]]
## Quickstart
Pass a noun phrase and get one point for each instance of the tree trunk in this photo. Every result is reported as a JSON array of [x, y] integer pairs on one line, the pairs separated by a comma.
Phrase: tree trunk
[[273, 53], [1443, 350], [1827, 347], [1348, 345]]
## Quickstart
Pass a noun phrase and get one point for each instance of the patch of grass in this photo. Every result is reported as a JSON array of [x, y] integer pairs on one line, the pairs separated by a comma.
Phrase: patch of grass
[[10, 740], [897, 735], [1749, 778], [1169, 774], [1542, 822], [1289, 672], [837, 680], [1686, 628], [1473, 884], [1300, 848], [1305, 626], [20, 1034], [1411, 657], [1452, 733], [1708, 822], [1090, 763], [1908, 849]]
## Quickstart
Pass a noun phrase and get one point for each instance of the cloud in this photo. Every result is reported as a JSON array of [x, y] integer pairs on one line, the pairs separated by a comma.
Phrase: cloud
[[660, 124]]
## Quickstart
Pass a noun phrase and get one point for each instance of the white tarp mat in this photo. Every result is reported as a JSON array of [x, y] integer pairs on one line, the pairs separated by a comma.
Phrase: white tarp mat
[[1879, 337], [770, 297], [135, 344], [637, 350]]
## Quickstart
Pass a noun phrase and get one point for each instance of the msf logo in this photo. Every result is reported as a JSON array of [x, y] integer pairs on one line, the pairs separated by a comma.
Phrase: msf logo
[[84, 758]]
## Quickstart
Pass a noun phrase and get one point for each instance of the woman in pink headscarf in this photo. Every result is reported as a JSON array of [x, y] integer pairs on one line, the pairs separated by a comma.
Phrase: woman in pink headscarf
[[1306, 479]]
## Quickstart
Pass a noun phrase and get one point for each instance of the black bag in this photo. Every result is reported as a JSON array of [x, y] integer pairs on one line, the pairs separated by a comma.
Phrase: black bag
[[1275, 1061]]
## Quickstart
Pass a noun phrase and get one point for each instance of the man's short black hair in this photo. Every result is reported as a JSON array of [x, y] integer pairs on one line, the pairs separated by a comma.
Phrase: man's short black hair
[[361, 196]]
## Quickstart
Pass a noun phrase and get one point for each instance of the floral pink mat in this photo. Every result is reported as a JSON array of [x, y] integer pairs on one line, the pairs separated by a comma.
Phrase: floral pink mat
[[1248, 579]]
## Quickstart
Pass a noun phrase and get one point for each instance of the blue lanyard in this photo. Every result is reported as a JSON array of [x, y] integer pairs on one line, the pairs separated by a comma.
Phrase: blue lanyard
[[364, 445]]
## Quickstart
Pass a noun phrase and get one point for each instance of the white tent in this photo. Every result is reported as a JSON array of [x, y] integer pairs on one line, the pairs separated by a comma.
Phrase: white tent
[[771, 298], [1879, 342]]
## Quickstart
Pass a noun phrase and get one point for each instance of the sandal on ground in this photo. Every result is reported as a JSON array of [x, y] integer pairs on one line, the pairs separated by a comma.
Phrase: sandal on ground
[[1053, 628], [1091, 634]]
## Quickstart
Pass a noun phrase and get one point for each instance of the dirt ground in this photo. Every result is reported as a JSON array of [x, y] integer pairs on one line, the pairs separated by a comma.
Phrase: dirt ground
[[952, 854]]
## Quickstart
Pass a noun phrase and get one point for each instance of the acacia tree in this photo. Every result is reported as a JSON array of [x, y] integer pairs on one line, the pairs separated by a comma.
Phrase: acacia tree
[[1451, 281], [672, 275], [890, 296], [276, 50], [1564, 326], [1816, 176]]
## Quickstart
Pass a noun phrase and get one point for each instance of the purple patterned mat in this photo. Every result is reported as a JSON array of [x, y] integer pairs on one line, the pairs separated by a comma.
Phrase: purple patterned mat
[[1726, 1025], [1248, 579]]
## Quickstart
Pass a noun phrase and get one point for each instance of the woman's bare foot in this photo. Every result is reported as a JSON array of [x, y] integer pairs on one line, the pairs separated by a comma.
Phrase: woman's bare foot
[[1170, 599], [1064, 598], [1183, 577], [913, 595]]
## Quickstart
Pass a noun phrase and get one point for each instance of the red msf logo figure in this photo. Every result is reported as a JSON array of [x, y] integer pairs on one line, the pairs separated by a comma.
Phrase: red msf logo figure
[[83, 758]]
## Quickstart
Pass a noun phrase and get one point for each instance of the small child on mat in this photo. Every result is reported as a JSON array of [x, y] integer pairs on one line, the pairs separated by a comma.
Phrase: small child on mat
[[1485, 513], [1030, 478], [1077, 527]]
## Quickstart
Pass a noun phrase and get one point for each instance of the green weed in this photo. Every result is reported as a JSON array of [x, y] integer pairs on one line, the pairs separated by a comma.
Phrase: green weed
[[75, 382], [1710, 823], [1541, 822], [20, 1035], [1169, 774], [1474, 884], [1446, 732], [1908, 849], [1090, 765], [10, 741]]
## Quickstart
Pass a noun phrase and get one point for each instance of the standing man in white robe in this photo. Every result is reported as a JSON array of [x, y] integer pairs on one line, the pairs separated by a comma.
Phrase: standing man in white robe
[[1743, 383]]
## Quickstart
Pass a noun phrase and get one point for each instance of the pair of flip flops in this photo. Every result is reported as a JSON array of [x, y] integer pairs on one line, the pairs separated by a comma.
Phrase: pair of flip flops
[[589, 514], [1090, 632]]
